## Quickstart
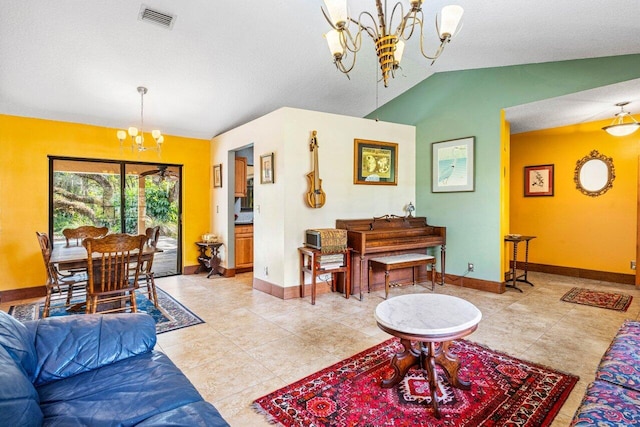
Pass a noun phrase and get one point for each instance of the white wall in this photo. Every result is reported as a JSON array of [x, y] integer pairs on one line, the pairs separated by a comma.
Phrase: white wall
[[280, 213]]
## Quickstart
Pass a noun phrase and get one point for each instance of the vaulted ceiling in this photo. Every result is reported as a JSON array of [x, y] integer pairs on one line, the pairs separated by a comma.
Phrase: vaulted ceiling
[[224, 63]]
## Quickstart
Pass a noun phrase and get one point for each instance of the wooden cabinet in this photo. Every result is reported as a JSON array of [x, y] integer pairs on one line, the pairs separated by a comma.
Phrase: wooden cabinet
[[241, 177], [244, 247]]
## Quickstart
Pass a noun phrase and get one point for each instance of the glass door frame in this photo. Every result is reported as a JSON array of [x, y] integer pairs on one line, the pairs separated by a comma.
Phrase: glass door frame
[[122, 167]]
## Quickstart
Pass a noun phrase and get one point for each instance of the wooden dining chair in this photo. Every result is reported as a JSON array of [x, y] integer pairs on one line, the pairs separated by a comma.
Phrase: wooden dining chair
[[153, 234], [80, 233], [58, 282], [114, 273]]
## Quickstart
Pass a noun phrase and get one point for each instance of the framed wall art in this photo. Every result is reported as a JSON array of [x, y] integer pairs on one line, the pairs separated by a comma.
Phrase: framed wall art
[[217, 176], [375, 163], [266, 169], [538, 180], [452, 165]]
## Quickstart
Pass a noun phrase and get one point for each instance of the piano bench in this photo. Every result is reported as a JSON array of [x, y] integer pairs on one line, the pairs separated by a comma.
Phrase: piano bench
[[395, 262]]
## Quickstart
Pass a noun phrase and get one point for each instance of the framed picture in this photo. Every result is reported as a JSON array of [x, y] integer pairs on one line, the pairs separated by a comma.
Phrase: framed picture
[[217, 176], [266, 169], [452, 165], [538, 180], [375, 163]]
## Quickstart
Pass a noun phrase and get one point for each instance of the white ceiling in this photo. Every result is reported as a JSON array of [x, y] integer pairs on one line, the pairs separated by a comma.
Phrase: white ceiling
[[225, 63]]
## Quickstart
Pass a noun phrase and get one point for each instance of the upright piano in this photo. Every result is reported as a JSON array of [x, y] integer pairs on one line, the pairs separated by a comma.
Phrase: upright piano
[[389, 235]]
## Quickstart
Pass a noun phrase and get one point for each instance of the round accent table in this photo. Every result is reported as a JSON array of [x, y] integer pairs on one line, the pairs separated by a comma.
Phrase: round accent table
[[426, 324]]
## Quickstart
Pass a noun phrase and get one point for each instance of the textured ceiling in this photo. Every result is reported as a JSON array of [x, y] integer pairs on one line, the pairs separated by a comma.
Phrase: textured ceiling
[[225, 63]]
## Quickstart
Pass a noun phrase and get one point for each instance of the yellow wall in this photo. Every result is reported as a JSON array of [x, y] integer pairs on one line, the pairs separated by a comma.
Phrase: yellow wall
[[505, 182], [24, 146], [573, 229]]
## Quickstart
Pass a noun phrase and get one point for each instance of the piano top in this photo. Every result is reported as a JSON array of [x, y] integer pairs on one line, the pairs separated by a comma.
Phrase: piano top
[[391, 233], [384, 222]]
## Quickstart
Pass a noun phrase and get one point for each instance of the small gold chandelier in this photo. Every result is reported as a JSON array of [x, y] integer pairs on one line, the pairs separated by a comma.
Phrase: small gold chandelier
[[137, 136], [389, 45]]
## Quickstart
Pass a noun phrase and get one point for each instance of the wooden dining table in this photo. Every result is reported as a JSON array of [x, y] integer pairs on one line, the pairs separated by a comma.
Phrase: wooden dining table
[[75, 257]]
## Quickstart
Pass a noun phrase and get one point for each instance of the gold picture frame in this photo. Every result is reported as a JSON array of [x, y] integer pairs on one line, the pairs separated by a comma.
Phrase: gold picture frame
[[217, 176], [375, 162], [266, 169]]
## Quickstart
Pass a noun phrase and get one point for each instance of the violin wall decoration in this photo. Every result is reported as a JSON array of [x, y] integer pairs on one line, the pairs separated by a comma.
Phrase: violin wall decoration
[[315, 196]]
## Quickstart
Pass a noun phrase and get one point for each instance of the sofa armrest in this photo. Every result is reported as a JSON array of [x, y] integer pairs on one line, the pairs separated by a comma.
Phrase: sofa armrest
[[69, 345]]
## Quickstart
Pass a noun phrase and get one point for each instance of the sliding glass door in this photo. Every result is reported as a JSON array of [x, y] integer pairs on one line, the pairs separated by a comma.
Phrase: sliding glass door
[[126, 197]]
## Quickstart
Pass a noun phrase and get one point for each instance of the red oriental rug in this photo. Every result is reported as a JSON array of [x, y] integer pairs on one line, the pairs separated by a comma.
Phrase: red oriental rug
[[610, 300], [504, 391]]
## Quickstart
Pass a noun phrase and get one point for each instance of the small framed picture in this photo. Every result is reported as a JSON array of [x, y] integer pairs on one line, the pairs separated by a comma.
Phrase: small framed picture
[[452, 165], [538, 180], [375, 162], [266, 169], [217, 176]]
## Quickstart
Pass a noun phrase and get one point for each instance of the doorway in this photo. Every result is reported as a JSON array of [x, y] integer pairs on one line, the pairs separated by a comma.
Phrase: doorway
[[126, 197], [243, 209]]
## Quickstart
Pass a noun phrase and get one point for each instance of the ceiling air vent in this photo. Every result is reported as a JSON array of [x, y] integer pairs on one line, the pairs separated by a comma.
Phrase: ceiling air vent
[[156, 17]]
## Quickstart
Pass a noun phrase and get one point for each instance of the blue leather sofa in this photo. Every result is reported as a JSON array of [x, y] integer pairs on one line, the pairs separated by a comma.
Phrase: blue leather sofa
[[93, 370]]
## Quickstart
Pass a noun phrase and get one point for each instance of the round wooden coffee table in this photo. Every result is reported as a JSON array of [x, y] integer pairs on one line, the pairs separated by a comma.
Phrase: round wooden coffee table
[[425, 324]]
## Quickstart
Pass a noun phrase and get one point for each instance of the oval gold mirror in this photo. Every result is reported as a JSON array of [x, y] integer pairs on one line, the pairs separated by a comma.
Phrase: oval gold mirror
[[594, 174]]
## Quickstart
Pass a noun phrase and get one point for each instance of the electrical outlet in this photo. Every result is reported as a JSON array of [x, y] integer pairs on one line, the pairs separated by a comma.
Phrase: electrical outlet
[[266, 271], [633, 264], [470, 266]]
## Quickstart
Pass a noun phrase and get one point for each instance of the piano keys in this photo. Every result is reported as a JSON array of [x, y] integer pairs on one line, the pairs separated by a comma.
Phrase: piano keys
[[389, 235]]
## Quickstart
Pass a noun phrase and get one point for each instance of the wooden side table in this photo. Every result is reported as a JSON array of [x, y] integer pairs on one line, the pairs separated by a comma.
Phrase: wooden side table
[[515, 239], [209, 257], [426, 324], [311, 263]]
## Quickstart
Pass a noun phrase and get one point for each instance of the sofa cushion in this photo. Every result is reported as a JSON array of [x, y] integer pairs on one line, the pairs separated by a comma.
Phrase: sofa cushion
[[19, 404], [606, 404], [18, 342], [197, 414], [130, 391], [621, 362], [69, 345]]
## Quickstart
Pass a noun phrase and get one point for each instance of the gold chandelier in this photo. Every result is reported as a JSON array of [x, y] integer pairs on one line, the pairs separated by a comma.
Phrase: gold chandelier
[[389, 44], [137, 135]]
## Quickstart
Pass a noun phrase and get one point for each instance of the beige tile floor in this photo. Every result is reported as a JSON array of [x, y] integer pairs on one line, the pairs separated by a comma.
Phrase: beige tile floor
[[253, 343]]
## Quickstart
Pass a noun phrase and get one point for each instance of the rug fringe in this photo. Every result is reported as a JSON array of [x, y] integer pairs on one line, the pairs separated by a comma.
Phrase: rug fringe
[[270, 418]]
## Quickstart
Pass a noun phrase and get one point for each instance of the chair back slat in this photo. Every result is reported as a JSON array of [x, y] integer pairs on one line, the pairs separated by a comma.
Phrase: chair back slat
[[80, 233], [117, 269]]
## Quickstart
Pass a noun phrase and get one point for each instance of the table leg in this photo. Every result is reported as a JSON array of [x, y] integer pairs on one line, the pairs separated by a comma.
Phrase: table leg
[[443, 253], [513, 268], [401, 363], [214, 261], [433, 275], [314, 269], [347, 275], [526, 264], [431, 354], [451, 365], [361, 276], [428, 366], [386, 283], [301, 275]]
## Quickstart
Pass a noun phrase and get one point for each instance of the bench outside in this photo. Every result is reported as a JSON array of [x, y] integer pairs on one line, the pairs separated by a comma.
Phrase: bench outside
[[396, 262]]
